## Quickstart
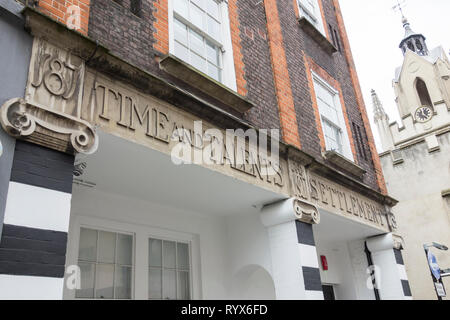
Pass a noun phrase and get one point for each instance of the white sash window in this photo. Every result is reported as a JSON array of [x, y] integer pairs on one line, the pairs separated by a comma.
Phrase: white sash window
[[311, 11], [106, 264], [200, 36], [169, 270], [332, 118]]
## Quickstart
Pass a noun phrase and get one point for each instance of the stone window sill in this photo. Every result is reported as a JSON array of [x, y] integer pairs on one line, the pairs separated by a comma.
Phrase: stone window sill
[[344, 163], [203, 82], [317, 36]]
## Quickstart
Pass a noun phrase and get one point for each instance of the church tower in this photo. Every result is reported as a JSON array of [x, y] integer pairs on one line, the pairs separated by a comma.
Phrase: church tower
[[416, 155], [422, 94], [413, 41]]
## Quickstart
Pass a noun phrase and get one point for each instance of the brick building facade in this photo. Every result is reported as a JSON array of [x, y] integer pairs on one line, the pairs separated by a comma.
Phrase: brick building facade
[[141, 36], [109, 80]]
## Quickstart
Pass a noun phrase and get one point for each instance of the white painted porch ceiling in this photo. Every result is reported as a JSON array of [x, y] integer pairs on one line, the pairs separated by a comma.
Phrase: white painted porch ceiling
[[128, 169]]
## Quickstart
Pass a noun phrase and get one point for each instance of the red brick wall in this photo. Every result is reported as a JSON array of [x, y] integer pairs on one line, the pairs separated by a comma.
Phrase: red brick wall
[[312, 66], [161, 26], [288, 117], [359, 99], [237, 48], [57, 9], [256, 57]]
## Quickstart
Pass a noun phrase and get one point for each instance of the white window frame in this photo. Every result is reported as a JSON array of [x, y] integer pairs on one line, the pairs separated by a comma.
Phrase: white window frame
[[99, 229], [317, 15], [176, 269], [142, 234], [345, 140], [227, 58]]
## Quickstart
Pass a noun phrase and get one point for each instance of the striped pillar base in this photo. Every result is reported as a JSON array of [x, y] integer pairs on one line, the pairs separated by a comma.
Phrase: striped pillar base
[[34, 239], [295, 266], [309, 260], [391, 279], [403, 275]]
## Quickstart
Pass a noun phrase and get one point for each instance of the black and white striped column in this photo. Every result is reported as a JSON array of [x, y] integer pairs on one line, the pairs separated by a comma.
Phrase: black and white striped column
[[402, 273], [309, 259], [391, 280], [295, 268], [34, 238]]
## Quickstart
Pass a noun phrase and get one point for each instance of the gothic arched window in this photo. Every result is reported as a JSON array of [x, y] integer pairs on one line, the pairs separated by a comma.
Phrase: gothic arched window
[[411, 46], [422, 91]]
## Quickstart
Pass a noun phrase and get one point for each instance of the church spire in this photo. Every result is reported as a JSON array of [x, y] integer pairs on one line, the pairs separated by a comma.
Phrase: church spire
[[412, 41], [382, 123], [378, 110]]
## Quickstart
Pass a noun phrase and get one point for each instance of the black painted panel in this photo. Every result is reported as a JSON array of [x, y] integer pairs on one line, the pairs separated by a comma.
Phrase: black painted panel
[[305, 233], [32, 269], [42, 167], [406, 288], [312, 280], [328, 293], [32, 252], [398, 257]]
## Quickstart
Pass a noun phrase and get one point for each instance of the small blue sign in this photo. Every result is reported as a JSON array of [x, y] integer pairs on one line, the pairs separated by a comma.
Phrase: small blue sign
[[432, 262]]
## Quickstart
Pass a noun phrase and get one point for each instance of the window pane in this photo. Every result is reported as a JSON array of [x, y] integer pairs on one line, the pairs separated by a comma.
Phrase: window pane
[[199, 3], [214, 29], [183, 256], [169, 284], [213, 72], [180, 32], [88, 245], [181, 7], [125, 249], [181, 52], [104, 279], [198, 62], [212, 53], [196, 42], [106, 247], [169, 254], [123, 282], [212, 7], [183, 285], [87, 281], [155, 253], [197, 17], [155, 284]]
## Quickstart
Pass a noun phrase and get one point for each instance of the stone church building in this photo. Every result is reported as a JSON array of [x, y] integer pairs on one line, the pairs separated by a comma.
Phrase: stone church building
[[416, 156], [116, 180]]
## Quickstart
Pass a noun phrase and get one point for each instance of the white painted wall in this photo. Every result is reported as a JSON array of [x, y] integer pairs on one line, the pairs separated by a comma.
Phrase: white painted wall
[[36, 207], [223, 248], [421, 213], [359, 265], [30, 288], [340, 273]]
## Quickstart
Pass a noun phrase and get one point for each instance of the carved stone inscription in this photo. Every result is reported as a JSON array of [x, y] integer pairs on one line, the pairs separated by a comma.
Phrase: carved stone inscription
[[55, 79], [334, 198], [50, 112], [123, 111]]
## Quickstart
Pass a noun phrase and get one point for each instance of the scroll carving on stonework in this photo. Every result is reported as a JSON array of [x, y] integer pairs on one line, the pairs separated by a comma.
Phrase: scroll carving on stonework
[[44, 126], [299, 180], [392, 221], [50, 112], [306, 212]]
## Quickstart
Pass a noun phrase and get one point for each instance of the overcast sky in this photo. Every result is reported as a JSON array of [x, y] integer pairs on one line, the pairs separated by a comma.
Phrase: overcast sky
[[375, 32]]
